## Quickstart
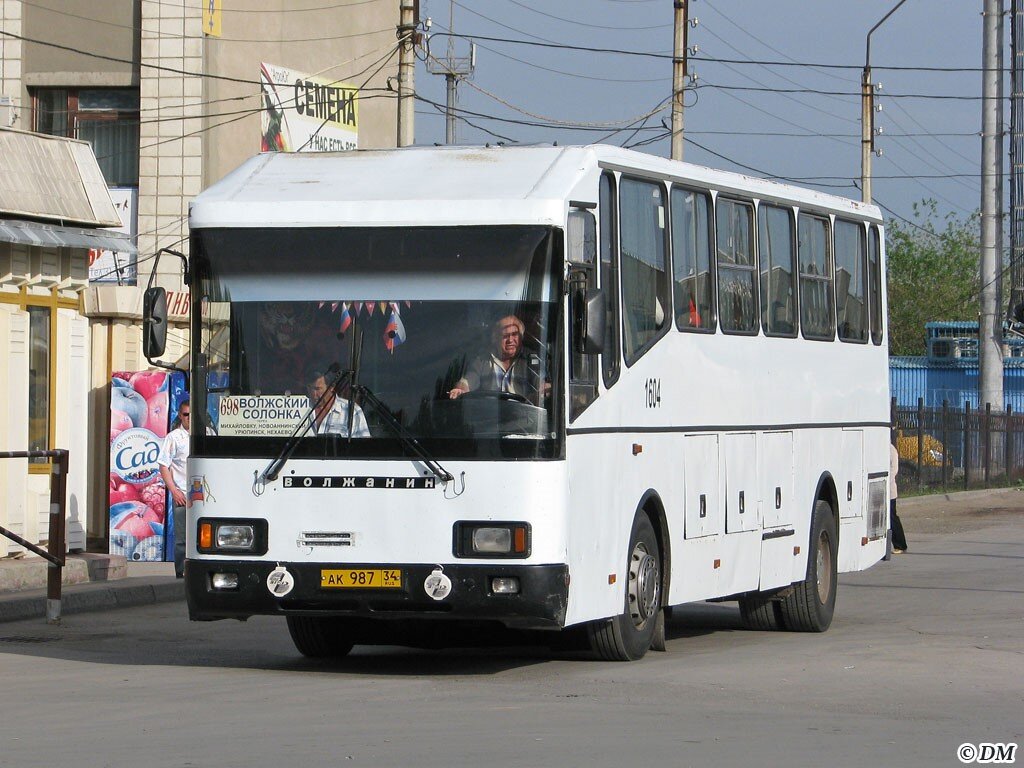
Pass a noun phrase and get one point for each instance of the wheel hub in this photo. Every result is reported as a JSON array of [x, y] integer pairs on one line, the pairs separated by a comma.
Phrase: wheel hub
[[644, 584]]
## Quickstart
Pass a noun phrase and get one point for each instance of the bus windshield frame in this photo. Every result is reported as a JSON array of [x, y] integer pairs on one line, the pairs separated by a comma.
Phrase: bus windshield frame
[[401, 317]]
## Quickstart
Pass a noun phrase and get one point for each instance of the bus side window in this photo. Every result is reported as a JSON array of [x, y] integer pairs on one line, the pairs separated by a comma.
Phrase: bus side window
[[737, 269], [875, 283], [817, 309], [582, 278], [851, 282], [777, 247], [645, 298], [692, 274], [607, 209]]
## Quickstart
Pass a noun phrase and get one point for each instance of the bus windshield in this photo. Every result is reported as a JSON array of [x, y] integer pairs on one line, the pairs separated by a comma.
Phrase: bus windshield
[[446, 335]]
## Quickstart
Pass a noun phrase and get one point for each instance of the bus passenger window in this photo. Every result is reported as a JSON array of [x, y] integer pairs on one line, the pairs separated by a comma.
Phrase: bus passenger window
[[645, 300], [851, 282], [875, 284], [817, 312], [609, 242], [776, 246], [693, 278], [737, 278]]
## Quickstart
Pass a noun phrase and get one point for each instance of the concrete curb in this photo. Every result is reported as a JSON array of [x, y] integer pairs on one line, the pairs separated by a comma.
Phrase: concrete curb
[[95, 596]]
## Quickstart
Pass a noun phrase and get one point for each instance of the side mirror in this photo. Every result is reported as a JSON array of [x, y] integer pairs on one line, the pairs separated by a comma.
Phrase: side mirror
[[154, 322], [594, 319]]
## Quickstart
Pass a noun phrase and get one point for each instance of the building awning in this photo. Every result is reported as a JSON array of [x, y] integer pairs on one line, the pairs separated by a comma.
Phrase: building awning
[[51, 235], [54, 179]]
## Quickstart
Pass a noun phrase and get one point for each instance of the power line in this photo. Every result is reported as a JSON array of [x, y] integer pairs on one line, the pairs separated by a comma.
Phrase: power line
[[119, 60], [668, 56], [166, 36], [578, 23], [850, 94], [266, 11]]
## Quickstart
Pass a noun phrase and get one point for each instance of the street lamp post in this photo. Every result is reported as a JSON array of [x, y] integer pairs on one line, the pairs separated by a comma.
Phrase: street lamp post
[[867, 113]]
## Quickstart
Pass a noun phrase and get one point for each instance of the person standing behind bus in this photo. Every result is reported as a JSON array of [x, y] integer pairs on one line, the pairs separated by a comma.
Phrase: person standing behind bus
[[173, 461], [899, 538], [505, 370]]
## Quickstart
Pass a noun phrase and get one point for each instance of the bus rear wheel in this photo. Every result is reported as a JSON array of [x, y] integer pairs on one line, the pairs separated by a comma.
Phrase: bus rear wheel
[[627, 637], [320, 637], [809, 607]]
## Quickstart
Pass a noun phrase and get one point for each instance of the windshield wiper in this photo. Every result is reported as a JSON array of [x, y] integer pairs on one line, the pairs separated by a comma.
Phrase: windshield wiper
[[404, 437], [273, 469]]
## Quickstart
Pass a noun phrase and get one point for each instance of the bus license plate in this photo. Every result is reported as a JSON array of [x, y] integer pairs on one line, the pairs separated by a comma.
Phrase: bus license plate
[[360, 578]]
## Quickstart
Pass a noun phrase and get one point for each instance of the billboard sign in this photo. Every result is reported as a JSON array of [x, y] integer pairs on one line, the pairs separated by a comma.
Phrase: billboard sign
[[306, 113], [113, 266]]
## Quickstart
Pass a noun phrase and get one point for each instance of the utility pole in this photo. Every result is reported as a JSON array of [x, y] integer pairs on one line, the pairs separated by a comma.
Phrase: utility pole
[[409, 11], [867, 112], [453, 69], [679, 49], [867, 131], [1016, 158], [990, 326]]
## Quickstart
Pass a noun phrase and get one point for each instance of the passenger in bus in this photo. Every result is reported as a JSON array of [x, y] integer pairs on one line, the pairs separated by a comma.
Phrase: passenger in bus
[[330, 416], [505, 370]]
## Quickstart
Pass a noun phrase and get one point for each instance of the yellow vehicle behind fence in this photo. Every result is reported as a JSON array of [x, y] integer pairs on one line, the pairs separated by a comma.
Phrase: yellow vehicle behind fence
[[931, 453]]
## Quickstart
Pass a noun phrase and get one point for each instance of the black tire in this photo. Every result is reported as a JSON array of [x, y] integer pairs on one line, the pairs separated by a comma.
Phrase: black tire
[[319, 637], [628, 636], [759, 612], [809, 607]]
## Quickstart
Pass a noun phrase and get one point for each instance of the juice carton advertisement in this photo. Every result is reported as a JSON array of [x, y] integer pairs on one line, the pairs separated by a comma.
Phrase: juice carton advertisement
[[139, 418]]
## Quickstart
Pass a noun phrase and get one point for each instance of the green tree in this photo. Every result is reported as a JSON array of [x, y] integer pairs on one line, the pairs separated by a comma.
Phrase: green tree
[[933, 274]]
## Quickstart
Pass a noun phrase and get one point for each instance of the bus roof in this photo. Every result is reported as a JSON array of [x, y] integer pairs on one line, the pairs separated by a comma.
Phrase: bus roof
[[451, 186]]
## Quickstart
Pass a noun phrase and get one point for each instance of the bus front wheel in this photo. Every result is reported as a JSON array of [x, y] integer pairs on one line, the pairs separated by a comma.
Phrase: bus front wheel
[[809, 607], [627, 637], [319, 637]]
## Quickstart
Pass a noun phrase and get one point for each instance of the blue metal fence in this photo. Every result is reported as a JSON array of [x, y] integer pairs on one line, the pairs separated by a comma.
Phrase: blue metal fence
[[955, 381]]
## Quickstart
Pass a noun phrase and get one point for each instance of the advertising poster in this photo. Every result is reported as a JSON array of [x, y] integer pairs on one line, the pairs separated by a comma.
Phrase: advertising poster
[[139, 417], [111, 266], [306, 113]]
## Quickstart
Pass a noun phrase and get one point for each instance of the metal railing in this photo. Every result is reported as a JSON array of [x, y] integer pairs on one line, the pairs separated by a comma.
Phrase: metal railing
[[958, 448], [55, 545]]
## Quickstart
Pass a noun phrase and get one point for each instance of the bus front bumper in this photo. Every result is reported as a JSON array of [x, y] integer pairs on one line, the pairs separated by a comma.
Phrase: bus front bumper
[[539, 604]]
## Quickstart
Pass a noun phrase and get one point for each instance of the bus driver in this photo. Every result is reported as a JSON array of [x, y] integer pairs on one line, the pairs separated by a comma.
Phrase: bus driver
[[505, 370]]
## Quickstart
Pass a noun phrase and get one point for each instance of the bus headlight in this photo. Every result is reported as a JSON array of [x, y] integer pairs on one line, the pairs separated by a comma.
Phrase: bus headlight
[[226, 535], [488, 539], [492, 540], [235, 536]]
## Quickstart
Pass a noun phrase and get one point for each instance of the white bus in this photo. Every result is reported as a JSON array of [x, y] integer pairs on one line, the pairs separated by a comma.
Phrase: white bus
[[589, 384]]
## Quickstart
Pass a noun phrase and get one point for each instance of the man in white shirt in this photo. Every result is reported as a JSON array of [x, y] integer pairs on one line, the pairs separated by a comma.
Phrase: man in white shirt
[[173, 462], [331, 413]]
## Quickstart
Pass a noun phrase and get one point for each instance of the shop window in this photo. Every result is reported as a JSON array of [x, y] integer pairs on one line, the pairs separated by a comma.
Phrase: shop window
[[39, 380]]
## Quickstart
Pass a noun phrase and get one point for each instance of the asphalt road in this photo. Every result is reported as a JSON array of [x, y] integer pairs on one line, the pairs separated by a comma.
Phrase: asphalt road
[[925, 653]]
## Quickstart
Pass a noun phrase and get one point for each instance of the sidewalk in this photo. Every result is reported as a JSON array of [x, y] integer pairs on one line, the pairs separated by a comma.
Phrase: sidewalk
[[134, 584]]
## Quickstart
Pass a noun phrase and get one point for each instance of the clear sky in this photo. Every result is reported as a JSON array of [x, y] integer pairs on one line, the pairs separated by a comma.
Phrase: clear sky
[[785, 118]]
